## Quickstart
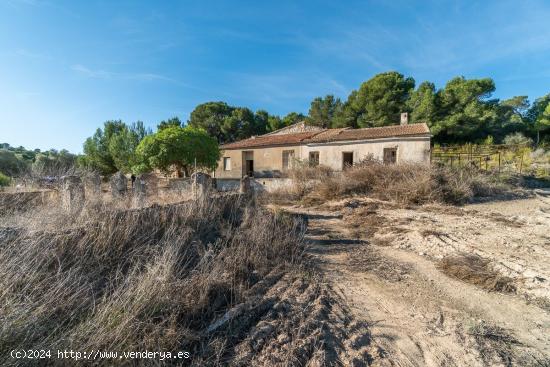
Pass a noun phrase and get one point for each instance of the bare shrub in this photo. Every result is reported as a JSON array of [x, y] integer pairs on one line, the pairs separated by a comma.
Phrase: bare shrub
[[153, 278], [405, 183], [476, 270], [493, 341]]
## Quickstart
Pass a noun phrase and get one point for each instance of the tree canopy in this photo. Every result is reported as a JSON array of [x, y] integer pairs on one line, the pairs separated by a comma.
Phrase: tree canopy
[[112, 148], [179, 148]]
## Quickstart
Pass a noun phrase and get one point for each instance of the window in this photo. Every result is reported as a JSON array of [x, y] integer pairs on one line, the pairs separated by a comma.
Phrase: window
[[390, 155], [288, 156], [347, 160], [313, 159], [226, 163]]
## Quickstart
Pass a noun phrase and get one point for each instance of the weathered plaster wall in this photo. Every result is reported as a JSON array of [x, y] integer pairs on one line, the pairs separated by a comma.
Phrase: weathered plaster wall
[[408, 150], [268, 162]]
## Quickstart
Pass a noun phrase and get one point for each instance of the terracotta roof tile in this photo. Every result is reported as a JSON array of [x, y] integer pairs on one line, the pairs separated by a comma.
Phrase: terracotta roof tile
[[267, 140], [372, 133], [329, 135]]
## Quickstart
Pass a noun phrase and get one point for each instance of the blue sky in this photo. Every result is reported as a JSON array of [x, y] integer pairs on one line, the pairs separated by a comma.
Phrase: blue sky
[[67, 66]]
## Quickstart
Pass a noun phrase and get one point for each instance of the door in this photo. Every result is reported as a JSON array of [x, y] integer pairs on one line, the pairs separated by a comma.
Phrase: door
[[390, 155], [347, 160]]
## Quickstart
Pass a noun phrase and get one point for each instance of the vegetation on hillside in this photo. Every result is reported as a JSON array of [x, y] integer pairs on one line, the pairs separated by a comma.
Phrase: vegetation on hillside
[[20, 161]]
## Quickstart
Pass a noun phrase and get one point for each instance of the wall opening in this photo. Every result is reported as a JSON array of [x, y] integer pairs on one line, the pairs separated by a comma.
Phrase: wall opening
[[313, 159], [226, 163], [248, 164], [288, 156], [347, 160], [390, 155]]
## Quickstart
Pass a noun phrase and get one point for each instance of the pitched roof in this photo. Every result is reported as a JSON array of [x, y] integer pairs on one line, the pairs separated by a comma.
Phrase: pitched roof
[[371, 133], [299, 127], [329, 135], [267, 140]]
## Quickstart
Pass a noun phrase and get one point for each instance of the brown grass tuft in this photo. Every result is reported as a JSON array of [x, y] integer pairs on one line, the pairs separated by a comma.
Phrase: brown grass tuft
[[475, 270], [142, 279]]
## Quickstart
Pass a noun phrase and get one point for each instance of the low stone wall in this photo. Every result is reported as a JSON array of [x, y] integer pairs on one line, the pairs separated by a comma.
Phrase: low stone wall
[[257, 184], [11, 202]]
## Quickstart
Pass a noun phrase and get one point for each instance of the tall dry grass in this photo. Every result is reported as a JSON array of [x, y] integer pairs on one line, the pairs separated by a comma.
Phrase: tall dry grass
[[405, 183], [132, 280]]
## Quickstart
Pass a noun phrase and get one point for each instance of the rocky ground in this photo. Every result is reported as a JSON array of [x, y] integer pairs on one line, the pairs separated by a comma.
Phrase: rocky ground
[[437, 285]]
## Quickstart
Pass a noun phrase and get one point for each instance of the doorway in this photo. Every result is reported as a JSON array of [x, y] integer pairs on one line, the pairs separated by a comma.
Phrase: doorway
[[250, 167], [248, 164], [347, 160]]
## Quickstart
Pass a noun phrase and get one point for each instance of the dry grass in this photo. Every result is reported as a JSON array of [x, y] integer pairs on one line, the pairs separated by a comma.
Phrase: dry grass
[[144, 279], [493, 341], [475, 270], [405, 184]]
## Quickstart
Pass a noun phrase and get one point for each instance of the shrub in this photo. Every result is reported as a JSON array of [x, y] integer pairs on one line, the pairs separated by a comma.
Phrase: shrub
[[406, 183], [4, 180], [149, 279], [517, 139]]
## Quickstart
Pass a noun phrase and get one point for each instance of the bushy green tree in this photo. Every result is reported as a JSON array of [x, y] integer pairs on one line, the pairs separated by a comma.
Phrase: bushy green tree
[[464, 112], [179, 148], [274, 123], [112, 148], [539, 116], [422, 104], [323, 110], [211, 117], [174, 121], [379, 101], [511, 117], [293, 118]]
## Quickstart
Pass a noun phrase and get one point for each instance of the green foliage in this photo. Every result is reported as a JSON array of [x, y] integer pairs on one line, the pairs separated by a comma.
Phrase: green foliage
[[323, 111], [11, 163], [227, 123], [177, 147], [293, 118], [4, 180], [379, 101], [174, 121], [113, 148], [423, 104], [463, 114], [517, 139], [19, 161], [53, 163]]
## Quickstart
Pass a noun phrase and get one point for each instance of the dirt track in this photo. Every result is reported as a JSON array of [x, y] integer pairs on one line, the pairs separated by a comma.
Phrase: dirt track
[[382, 260]]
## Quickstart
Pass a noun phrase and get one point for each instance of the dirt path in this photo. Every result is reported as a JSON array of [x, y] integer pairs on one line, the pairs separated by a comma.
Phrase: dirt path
[[419, 316]]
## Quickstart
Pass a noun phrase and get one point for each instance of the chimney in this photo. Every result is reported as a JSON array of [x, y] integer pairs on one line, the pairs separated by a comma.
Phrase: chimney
[[404, 118]]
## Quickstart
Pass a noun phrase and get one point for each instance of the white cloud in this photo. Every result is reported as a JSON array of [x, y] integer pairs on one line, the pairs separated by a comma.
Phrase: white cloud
[[103, 74]]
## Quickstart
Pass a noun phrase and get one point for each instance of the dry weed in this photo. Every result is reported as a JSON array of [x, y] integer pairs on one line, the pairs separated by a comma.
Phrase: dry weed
[[475, 270]]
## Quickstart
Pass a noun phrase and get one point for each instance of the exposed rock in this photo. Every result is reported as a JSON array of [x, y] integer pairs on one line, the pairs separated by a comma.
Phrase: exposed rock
[[72, 193], [119, 185]]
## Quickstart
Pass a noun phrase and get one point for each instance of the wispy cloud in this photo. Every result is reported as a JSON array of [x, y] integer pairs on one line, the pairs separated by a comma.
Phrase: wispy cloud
[[32, 54], [295, 88], [103, 74]]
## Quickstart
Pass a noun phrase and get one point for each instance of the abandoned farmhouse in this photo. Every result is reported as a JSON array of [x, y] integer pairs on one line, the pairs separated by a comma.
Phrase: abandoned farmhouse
[[270, 155]]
